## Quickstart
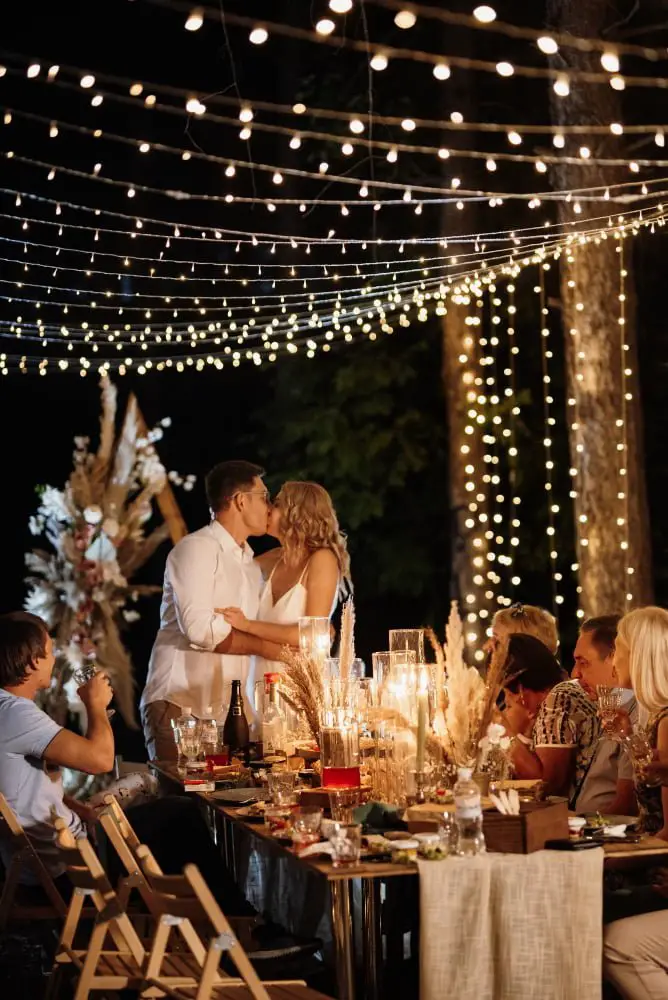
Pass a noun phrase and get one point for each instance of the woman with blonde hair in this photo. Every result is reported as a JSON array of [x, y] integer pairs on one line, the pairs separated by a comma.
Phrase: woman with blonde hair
[[525, 619], [306, 575], [641, 662]]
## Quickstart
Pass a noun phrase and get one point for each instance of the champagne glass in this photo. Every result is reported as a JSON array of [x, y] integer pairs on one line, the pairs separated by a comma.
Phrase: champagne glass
[[85, 674], [609, 706]]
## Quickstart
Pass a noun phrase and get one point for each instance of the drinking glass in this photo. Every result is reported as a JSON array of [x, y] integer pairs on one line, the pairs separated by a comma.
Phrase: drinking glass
[[306, 822], [278, 819], [342, 803], [85, 674], [609, 704], [282, 787], [641, 753], [190, 742], [346, 841]]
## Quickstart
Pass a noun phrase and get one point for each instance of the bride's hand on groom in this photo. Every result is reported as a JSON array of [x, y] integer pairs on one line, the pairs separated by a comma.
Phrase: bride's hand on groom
[[234, 617]]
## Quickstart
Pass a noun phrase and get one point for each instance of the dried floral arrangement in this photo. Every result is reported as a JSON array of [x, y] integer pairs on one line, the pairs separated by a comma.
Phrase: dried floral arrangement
[[96, 527], [470, 700], [303, 681]]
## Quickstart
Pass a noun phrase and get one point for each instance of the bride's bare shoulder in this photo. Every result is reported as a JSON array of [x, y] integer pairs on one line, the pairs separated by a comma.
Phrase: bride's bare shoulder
[[323, 560]]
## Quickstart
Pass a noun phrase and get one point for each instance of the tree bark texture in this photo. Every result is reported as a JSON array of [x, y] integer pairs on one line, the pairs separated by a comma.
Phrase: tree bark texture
[[468, 558], [595, 358]]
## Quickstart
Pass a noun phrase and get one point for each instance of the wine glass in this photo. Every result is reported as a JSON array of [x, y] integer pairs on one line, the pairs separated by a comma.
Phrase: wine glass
[[84, 674], [641, 752]]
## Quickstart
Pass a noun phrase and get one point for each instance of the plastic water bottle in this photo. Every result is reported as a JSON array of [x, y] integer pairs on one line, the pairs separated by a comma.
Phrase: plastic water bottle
[[468, 814], [187, 727], [208, 732]]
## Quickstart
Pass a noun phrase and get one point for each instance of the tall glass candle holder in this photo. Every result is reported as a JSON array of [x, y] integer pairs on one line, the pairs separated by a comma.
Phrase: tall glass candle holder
[[314, 638], [339, 751], [412, 639]]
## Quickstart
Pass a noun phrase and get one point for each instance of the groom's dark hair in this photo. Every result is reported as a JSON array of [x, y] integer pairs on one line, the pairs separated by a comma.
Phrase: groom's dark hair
[[228, 478]]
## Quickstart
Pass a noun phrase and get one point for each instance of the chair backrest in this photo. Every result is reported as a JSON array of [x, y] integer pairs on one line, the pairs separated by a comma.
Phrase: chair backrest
[[24, 855], [188, 897], [89, 878]]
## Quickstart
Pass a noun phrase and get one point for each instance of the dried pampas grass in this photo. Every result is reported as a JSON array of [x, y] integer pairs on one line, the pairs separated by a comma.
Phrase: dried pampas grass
[[302, 679]]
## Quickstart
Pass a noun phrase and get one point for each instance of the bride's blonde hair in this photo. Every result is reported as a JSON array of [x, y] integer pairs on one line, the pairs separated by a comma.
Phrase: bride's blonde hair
[[309, 523]]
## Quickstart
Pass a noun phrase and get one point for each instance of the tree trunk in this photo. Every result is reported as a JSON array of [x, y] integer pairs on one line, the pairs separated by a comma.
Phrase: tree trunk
[[469, 545], [612, 518]]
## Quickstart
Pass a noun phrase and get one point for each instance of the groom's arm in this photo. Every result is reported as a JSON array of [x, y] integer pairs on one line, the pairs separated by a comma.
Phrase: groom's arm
[[242, 644]]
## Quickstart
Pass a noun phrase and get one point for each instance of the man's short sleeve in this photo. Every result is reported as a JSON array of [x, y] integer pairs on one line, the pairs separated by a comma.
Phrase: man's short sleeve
[[556, 721], [26, 729]]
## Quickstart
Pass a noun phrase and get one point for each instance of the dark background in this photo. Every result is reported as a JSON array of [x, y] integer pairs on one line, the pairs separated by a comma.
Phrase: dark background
[[367, 420]]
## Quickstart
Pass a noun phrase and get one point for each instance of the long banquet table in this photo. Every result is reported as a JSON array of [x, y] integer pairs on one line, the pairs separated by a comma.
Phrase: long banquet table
[[352, 908]]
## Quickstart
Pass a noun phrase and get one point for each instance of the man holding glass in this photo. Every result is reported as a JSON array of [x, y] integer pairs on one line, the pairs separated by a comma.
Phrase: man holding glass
[[197, 654]]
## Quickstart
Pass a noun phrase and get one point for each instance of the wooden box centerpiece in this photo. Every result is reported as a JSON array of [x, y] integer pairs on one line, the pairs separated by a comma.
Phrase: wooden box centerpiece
[[537, 822]]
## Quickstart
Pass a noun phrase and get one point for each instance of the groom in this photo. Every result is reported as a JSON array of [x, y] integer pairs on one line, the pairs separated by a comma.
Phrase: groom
[[196, 654]]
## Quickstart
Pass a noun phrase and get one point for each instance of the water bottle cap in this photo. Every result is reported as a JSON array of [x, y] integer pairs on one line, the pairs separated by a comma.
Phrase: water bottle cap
[[464, 773]]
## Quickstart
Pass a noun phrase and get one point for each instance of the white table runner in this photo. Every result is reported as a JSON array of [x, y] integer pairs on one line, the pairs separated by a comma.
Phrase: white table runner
[[512, 927]]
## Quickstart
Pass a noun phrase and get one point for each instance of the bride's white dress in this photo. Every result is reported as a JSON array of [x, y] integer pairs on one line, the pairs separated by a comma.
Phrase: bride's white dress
[[288, 609]]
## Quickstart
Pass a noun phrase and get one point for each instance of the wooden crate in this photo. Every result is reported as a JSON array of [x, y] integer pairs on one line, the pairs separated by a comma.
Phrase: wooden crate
[[523, 834]]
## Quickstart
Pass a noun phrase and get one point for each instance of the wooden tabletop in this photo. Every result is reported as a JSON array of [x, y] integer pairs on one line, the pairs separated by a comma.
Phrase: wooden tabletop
[[648, 852]]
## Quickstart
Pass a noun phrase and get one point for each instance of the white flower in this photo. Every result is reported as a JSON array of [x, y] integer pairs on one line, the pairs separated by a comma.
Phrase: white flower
[[130, 615], [93, 514], [53, 503], [35, 525], [110, 526]]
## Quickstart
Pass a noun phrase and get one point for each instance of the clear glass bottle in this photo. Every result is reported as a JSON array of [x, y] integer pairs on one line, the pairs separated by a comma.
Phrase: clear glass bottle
[[468, 814], [273, 719], [189, 735], [209, 732]]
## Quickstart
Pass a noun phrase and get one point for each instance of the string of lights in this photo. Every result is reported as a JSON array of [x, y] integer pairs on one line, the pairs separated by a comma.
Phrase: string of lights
[[515, 501], [549, 424], [626, 397]]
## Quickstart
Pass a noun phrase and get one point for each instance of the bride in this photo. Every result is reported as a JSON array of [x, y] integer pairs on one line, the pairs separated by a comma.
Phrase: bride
[[304, 576]]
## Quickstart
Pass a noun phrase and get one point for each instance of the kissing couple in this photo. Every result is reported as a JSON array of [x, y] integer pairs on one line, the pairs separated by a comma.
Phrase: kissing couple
[[226, 613]]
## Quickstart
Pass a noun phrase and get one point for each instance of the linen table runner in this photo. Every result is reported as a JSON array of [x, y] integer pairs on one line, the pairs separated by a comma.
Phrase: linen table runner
[[512, 927]]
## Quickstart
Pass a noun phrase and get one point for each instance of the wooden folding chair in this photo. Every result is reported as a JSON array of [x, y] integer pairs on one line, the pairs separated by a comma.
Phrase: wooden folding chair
[[25, 856], [99, 968], [124, 840], [188, 897]]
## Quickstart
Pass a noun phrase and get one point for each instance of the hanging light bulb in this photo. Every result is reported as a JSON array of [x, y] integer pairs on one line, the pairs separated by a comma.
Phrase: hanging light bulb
[[547, 45], [585, 152], [408, 125], [258, 35], [618, 83], [87, 81], [405, 19], [610, 61], [356, 126], [340, 6], [558, 140], [616, 128], [514, 138], [295, 142], [561, 86], [505, 68], [246, 114], [660, 139], [325, 26], [195, 20], [484, 14], [441, 71], [378, 62], [541, 167]]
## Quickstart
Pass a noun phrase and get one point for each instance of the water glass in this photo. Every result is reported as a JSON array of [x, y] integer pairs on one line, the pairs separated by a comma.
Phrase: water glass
[[342, 802], [282, 785], [278, 819], [306, 822], [346, 841], [85, 674], [609, 704]]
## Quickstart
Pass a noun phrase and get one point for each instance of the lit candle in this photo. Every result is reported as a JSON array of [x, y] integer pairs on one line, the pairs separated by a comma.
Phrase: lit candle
[[422, 696]]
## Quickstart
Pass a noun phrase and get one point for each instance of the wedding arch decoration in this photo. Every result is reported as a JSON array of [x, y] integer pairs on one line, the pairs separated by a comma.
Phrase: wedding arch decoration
[[97, 531]]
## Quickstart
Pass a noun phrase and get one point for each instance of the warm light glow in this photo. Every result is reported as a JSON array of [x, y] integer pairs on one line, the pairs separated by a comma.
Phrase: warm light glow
[[378, 62], [246, 114], [617, 129], [484, 14], [52, 72], [660, 139], [324, 26], [441, 71], [340, 6], [558, 140], [408, 125], [617, 83], [585, 152], [33, 70], [195, 20], [194, 106], [505, 69], [295, 142], [97, 100], [561, 86], [356, 126], [514, 138], [136, 89], [258, 36], [547, 45], [144, 147], [541, 167], [299, 109], [405, 19], [87, 81], [610, 61]]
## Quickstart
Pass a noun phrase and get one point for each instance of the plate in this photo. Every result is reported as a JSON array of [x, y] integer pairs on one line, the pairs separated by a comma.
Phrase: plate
[[239, 796], [248, 816]]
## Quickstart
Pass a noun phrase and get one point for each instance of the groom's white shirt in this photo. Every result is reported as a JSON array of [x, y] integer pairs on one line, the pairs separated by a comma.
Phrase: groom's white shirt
[[205, 570]]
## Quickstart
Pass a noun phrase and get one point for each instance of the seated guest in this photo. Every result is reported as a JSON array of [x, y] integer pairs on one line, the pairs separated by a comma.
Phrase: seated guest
[[555, 725], [641, 662], [525, 619], [33, 748], [608, 786]]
